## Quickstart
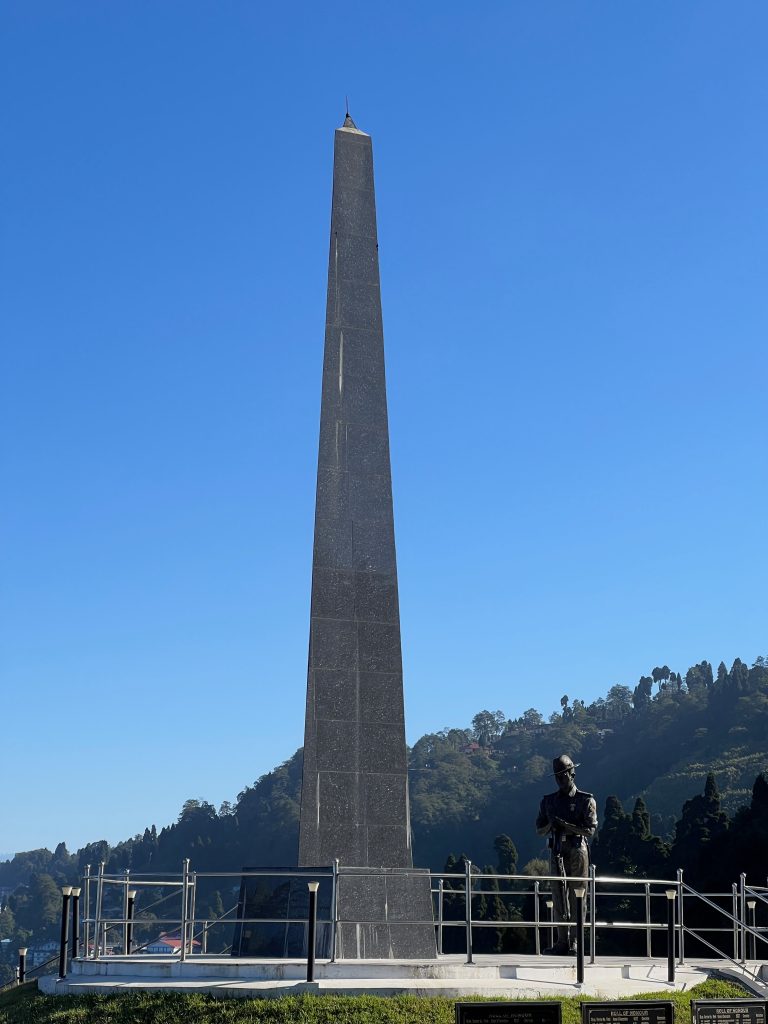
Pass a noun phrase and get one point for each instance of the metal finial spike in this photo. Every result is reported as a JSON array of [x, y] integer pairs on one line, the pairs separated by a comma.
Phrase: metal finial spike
[[346, 104], [348, 122]]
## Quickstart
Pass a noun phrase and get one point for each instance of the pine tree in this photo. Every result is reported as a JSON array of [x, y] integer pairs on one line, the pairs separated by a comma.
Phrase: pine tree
[[701, 823], [489, 908], [506, 855], [641, 819]]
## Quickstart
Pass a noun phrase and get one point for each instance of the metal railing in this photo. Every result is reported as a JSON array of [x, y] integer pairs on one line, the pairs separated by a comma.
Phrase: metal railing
[[103, 931], [612, 904], [540, 889]]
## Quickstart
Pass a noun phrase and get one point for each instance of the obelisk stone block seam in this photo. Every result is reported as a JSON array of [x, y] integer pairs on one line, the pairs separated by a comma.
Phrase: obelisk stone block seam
[[343, 403], [343, 594], [357, 717], [334, 479], [350, 352], [358, 365], [357, 696], [354, 449], [365, 798], [333, 607], [348, 644], [352, 423], [354, 364], [354, 496]]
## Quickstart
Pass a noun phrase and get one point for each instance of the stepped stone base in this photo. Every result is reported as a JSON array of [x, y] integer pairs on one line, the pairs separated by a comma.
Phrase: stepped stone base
[[526, 977]]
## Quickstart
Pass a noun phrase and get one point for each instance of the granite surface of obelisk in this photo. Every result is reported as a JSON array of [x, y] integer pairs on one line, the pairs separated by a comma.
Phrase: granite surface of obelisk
[[354, 801]]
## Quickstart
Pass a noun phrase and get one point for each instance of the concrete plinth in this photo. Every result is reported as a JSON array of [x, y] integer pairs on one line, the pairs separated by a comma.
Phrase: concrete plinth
[[386, 915], [525, 977]]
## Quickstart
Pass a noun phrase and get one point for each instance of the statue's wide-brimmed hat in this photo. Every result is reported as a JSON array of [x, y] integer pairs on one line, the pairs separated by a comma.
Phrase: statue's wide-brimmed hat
[[562, 764]]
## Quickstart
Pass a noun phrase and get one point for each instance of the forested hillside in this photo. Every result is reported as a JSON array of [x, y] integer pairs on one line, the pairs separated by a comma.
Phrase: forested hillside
[[658, 740], [670, 762]]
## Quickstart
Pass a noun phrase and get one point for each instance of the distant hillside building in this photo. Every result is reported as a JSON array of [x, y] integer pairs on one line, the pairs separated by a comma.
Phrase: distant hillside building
[[167, 945]]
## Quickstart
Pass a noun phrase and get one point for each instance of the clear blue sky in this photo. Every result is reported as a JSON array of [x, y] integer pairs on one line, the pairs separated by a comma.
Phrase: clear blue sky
[[573, 218]]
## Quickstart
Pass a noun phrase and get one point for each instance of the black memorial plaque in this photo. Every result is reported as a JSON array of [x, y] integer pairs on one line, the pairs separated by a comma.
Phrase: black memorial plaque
[[517, 1012], [626, 1011], [729, 1011]]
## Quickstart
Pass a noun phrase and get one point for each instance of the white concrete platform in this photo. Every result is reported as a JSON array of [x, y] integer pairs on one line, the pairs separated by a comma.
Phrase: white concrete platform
[[527, 977]]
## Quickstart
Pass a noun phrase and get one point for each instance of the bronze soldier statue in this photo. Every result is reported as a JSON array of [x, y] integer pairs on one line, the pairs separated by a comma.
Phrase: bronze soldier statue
[[570, 818]]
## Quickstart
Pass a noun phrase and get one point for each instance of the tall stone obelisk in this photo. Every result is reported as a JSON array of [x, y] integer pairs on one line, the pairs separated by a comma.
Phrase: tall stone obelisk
[[354, 800]]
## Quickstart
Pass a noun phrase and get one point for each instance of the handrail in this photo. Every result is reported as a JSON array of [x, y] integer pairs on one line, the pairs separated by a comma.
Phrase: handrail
[[736, 920], [452, 890], [736, 963], [760, 894]]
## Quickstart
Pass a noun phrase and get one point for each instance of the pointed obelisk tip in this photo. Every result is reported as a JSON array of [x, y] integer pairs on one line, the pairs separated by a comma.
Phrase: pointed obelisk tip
[[349, 124]]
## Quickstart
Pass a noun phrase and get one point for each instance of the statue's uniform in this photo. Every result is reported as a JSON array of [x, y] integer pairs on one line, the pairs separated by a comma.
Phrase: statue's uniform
[[580, 810]]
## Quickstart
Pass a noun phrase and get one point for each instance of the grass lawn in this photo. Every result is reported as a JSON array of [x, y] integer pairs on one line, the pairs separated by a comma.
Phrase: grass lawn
[[26, 1005]]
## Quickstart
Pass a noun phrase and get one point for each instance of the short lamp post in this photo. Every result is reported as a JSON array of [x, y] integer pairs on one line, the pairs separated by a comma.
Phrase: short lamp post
[[579, 892], [551, 909], [671, 894], [75, 942], [752, 942], [66, 893], [311, 929], [22, 964]]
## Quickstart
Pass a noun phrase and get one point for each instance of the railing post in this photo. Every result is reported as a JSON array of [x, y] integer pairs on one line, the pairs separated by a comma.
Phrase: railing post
[[468, 907], [204, 947], [648, 950], [743, 915], [440, 898], [536, 913], [86, 909], [592, 913], [97, 918], [681, 916], [334, 908], [579, 892], [551, 913], [126, 876], [184, 894], [192, 912], [671, 894], [735, 914]]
